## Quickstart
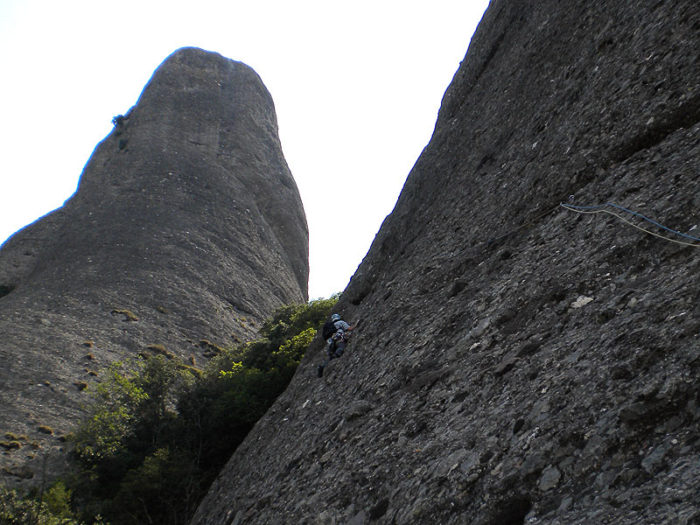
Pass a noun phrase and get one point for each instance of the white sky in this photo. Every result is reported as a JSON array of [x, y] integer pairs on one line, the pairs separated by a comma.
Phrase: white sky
[[357, 86]]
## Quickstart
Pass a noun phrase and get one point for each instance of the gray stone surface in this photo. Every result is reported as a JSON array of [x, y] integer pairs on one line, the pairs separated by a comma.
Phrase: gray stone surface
[[516, 362], [186, 215]]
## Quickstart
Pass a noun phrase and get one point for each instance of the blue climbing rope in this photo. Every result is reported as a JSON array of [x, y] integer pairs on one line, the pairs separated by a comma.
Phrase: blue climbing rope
[[652, 221]]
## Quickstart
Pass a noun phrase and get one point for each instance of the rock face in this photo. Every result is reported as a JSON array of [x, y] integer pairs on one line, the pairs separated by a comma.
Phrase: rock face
[[186, 230], [517, 362]]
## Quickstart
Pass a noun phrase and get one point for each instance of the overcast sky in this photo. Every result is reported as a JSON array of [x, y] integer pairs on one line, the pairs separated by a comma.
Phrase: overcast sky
[[356, 85]]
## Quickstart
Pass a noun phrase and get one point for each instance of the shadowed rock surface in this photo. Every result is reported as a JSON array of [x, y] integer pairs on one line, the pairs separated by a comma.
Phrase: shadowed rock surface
[[516, 362], [186, 229]]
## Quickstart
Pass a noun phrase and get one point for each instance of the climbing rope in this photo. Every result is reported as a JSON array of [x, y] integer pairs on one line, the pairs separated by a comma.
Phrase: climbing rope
[[600, 208]]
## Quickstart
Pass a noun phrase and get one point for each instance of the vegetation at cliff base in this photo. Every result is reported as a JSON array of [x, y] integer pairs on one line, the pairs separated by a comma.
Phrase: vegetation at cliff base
[[158, 433], [50, 507]]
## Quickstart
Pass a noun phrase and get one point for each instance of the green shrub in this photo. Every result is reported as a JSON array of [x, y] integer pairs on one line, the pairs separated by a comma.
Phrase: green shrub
[[115, 401], [57, 500], [51, 508], [160, 430]]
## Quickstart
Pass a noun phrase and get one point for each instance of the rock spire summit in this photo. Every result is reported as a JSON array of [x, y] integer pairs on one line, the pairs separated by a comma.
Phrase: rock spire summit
[[187, 226]]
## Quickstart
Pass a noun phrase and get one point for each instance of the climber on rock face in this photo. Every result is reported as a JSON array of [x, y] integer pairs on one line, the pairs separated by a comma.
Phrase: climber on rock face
[[336, 332]]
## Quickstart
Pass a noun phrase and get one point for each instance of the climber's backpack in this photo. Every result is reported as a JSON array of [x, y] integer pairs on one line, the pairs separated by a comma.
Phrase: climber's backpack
[[328, 329]]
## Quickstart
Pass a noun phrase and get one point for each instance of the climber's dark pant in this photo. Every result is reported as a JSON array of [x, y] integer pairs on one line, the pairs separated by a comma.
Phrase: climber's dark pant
[[336, 349]]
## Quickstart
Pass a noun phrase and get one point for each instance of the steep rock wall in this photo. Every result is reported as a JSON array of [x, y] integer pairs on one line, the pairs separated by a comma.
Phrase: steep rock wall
[[186, 227], [517, 362]]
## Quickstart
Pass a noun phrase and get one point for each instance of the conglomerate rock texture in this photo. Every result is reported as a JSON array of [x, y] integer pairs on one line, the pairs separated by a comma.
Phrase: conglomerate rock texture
[[186, 231], [516, 362]]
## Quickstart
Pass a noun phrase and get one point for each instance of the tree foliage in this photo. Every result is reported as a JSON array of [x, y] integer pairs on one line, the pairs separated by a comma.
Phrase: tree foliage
[[116, 401], [52, 507], [157, 434]]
